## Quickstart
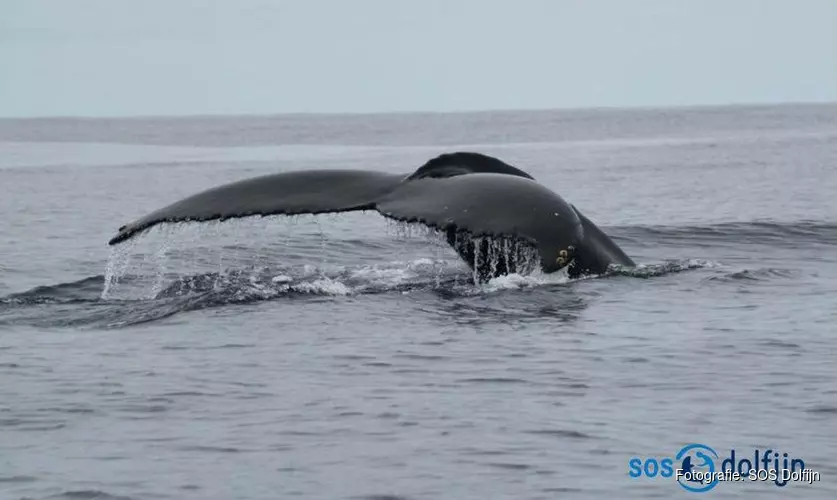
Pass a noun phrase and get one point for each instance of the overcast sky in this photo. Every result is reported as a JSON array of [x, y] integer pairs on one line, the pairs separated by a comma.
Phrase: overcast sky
[[162, 57]]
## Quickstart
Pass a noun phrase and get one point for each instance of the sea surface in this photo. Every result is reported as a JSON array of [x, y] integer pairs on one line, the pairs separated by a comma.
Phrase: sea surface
[[351, 357]]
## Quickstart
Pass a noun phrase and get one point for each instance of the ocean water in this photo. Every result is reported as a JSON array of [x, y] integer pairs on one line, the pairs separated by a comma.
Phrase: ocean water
[[346, 356]]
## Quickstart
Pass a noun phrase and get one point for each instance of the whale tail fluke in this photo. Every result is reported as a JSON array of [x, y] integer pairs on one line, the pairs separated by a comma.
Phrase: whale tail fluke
[[472, 198]]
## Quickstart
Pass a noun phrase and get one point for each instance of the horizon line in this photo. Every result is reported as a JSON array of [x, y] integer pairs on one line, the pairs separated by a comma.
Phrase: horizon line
[[627, 108]]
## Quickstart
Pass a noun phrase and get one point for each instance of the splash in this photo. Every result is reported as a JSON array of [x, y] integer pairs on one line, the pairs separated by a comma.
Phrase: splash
[[324, 286], [78, 303], [490, 256], [518, 281], [119, 259], [163, 259], [183, 267], [402, 231]]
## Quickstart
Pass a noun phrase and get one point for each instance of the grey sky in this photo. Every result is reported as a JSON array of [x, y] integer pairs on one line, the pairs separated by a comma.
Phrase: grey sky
[[155, 57]]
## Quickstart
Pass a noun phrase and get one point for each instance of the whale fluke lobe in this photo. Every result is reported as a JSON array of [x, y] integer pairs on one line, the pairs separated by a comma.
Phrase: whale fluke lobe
[[491, 205], [472, 198], [461, 163], [287, 193]]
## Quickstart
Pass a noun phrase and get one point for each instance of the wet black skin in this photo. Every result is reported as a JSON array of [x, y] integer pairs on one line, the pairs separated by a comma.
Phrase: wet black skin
[[480, 203]]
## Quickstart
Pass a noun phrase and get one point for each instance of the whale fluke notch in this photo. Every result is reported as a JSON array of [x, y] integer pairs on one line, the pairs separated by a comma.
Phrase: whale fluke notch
[[461, 194]]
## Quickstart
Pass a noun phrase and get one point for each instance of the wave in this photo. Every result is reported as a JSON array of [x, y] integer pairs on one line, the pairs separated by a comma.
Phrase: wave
[[168, 282], [140, 298], [79, 291], [789, 234], [754, 275]]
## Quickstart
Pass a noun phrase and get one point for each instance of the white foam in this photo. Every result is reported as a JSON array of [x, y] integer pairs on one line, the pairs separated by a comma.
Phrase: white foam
[[517, 281], [391, 275], [324, 286], [419, 263]]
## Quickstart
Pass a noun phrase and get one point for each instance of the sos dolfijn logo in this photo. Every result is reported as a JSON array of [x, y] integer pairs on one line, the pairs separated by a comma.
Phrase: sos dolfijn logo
[[695, 469]]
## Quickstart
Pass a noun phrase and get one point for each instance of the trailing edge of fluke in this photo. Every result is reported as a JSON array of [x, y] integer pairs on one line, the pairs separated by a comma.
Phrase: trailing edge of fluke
[[473, 198]]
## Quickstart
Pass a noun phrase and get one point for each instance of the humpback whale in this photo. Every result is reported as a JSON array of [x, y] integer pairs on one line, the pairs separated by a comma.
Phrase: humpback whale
[[473, 199]]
